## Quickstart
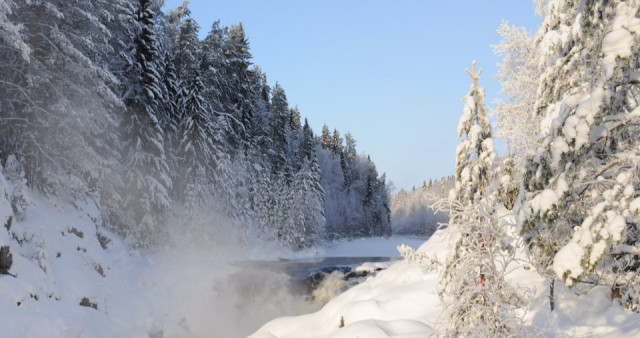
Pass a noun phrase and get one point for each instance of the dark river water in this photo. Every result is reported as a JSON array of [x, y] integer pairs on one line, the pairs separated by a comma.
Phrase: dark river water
[[304, 274]]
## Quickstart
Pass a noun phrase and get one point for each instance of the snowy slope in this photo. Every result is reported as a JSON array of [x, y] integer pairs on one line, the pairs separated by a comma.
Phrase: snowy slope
[[186, 288], [403, 301]]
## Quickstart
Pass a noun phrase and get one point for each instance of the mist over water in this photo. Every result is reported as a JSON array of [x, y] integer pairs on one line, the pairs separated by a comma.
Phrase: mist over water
[[204, 292]]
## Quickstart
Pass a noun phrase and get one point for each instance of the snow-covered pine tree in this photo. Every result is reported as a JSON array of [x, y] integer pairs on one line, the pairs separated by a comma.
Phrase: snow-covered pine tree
[[375, 203], [475, 154], [348, 158], [260, 94], [295, 140], [59, 83], [308, 145], [582, 182], [279, 125], [336, 143], [307, 212], [325, 138], [238, 96], [480, 301], [187, 44], [196, 145], [213, 73], [147, 179], [173, 113]]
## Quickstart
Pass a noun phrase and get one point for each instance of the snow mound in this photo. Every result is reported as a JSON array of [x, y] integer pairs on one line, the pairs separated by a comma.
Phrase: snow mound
[[401, 301]]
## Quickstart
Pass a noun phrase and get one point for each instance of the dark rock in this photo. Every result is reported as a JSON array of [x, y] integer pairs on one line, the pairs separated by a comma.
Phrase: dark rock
[[6, 260], [76, 232], [99, 269], [87, 303], [104, 240]]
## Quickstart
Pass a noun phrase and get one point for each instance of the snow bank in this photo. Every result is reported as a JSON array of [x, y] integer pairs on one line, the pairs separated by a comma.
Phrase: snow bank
[[403, 301], [399, 301]]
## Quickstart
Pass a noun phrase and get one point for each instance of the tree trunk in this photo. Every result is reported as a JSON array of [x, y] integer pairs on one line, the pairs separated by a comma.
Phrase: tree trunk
[[552, 301]]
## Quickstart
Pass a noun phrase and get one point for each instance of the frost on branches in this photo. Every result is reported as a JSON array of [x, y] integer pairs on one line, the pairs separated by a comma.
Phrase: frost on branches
[[518, 74], [475, 154], [480, 301], [582, 182]]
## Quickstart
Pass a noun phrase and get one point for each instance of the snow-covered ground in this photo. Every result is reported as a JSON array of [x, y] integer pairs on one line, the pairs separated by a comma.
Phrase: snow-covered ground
[[189, 287], [403, 301], [193, 288]]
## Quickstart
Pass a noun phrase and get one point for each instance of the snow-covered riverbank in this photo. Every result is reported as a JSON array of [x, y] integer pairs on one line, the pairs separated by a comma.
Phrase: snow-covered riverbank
[[403, 301], [74, 279]]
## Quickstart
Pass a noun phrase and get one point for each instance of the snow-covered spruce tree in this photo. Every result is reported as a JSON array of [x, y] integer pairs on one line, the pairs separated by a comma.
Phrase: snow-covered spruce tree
[[147, 179], [295, 140], [60, 83], [173, 113], [348, 158], [306, 217], [375, 201], [325, 138], [480, 302], [279, 125], [238, 94], [582, 182], [187, 45], [308, 214], [196, 145], [336, 143], [213, 75], [475, 154]]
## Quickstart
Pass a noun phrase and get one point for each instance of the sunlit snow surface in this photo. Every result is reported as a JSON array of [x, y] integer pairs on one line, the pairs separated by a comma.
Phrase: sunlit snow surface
[[403, 302]]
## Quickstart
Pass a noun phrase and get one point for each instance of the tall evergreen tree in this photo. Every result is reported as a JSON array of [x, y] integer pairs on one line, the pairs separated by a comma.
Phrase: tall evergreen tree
[[481, 302], [172, 102], [325, 139], [279, 125], [336, 143], [147, 180], [54, 76], [475, 154], [582, 182], [187, 44], [196, 144], [306, 216], [239, 105]]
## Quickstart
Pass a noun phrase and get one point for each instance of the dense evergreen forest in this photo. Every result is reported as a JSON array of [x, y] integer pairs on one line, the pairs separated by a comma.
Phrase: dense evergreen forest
[[120, 102]]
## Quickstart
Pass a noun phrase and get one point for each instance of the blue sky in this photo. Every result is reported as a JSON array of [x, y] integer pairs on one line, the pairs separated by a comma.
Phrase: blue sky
[[389, 72]]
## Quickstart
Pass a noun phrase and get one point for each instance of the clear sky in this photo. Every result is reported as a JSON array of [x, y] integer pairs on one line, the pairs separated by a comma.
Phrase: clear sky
[[391, 72]]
